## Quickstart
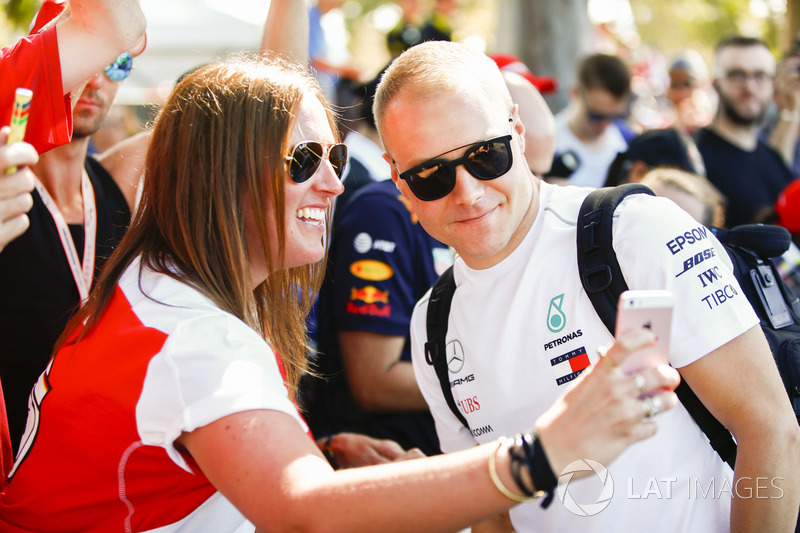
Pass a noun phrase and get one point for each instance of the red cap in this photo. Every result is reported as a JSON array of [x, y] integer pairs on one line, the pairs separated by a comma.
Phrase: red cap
[[509, 63], [788, 207], [50, 9]]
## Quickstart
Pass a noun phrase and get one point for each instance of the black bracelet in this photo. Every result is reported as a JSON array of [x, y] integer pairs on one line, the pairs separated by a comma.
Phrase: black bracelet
[[327, 451], [541, 473], [518, 460], [526, 450]]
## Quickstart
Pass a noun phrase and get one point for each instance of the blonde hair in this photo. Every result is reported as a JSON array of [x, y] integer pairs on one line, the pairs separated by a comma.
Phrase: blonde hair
[[694, 185], [224, 131], [436, 67]]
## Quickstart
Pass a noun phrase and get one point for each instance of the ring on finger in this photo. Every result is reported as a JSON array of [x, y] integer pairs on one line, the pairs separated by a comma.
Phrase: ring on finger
[[656, 405], [638, 380], [602, 351], [651, 406]]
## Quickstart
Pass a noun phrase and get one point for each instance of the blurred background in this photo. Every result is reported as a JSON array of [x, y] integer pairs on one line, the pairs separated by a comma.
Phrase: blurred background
[[548, 35]]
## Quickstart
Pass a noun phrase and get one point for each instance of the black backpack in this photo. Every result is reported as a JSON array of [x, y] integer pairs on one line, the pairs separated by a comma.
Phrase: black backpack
[[749, 247]]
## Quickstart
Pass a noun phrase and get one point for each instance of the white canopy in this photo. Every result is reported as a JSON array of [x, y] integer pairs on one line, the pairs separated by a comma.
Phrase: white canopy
[[182, 34]]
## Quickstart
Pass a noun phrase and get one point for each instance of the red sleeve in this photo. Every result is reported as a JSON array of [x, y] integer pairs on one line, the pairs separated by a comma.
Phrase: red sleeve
[[33, 63]]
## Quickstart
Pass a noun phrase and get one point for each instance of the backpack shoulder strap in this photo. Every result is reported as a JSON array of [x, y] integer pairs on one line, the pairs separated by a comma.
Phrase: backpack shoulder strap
[[436, 328], [603, 281], [598, 267]]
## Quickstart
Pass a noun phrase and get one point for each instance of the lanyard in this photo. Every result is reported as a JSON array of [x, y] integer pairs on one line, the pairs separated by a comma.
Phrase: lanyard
[[81, 274]]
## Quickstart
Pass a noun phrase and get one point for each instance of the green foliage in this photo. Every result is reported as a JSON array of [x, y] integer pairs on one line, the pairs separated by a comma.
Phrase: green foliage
[[20, 12], [675, 24]]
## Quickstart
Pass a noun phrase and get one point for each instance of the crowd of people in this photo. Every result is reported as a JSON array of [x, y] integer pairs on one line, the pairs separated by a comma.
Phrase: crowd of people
[[220, 324]]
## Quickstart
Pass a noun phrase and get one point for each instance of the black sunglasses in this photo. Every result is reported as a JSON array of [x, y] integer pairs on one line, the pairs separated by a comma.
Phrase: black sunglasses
[[594, 116], [601, 117], [307, 156], [436, 178]]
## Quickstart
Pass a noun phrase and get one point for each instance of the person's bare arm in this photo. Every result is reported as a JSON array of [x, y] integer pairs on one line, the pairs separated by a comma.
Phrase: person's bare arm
[[500, 523], [740, 385], [379, 380], [244, 453], [93, 33], [345, 71], [784, 135], [286, 30], [125, 162]]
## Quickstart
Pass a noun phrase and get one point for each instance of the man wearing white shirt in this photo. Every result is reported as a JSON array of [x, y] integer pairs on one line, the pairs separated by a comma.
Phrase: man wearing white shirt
[[589, 132]]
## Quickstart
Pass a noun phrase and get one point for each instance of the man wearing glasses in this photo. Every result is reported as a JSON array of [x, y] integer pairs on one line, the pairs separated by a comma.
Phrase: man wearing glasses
[[591, 130], [455, 143], [80, 212], [746, 170]]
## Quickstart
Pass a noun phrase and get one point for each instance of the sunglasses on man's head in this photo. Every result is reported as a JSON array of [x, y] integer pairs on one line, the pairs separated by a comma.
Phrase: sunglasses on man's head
[[120, 68], [307, 156], [436, 178]]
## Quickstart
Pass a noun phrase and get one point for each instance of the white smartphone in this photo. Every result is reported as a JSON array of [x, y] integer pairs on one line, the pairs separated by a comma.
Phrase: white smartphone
[[651, 309]]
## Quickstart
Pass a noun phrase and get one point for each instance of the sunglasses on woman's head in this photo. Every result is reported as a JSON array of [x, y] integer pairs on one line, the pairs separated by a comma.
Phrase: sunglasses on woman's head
[[436, 178], [307, 156], [120, 68]]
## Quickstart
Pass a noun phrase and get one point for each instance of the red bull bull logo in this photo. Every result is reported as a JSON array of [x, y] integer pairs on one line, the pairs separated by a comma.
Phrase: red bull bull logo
[[369, 294]]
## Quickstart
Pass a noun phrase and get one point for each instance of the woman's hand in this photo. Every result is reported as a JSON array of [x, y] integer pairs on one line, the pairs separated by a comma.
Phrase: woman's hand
[[605, 410]]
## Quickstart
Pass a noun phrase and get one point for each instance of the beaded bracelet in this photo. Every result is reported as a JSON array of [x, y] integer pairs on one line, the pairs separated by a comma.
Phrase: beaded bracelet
[[496, 479]]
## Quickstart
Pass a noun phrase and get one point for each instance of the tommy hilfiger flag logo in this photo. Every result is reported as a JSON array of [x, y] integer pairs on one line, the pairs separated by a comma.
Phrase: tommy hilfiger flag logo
[[569, 366]]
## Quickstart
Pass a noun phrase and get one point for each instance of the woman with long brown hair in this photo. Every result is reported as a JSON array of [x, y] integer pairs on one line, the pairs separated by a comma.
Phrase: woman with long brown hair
[[165, 408]]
